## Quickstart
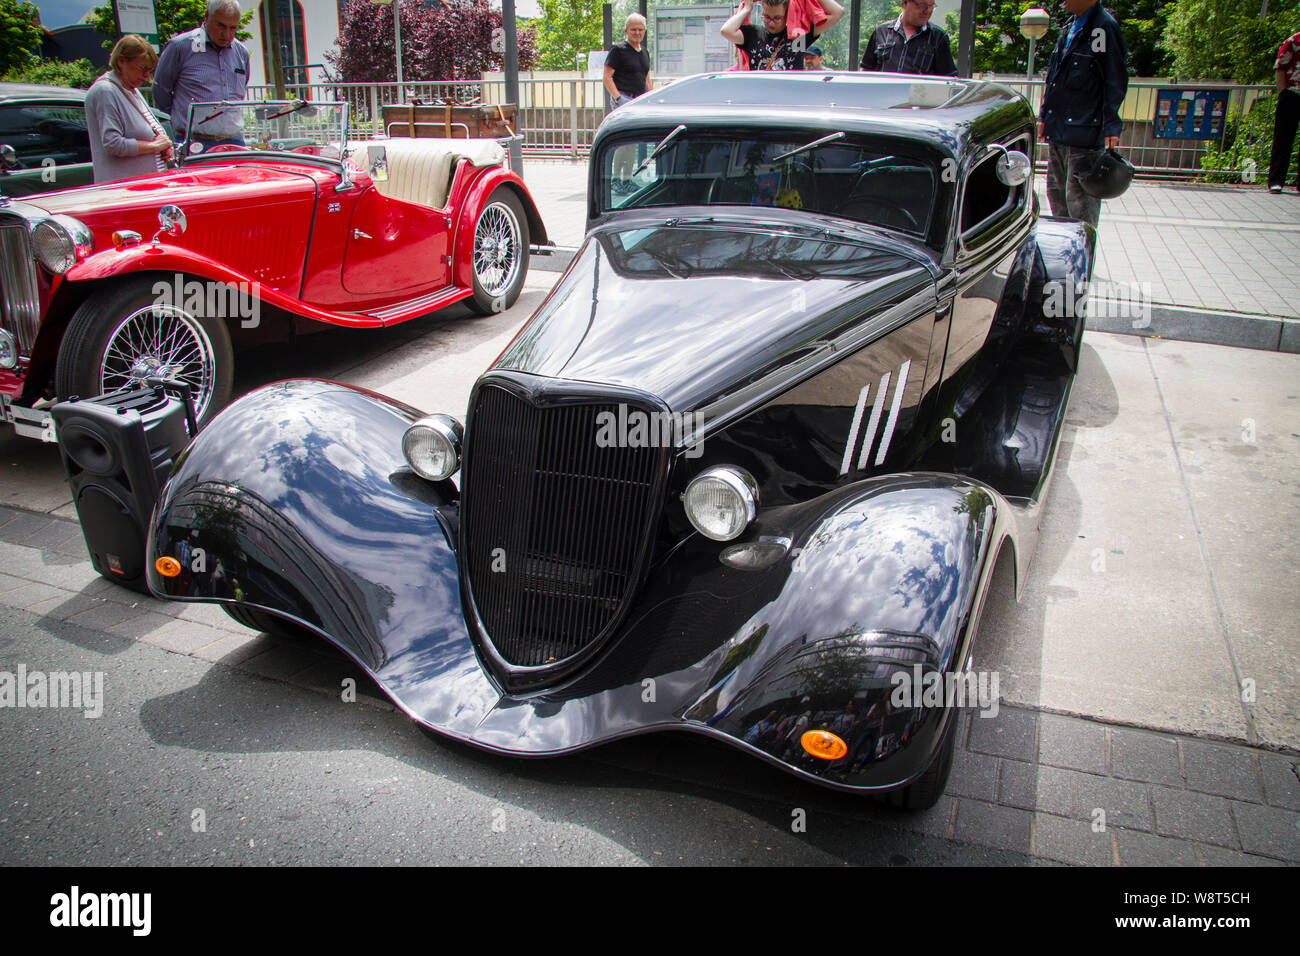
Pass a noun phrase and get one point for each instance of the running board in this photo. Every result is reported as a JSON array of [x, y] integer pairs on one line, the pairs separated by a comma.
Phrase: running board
[[413, 308]]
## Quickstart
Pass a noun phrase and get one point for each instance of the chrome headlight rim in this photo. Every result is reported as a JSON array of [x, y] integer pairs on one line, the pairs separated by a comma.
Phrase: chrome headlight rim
[[734, 480], [72, 241], [8, 350], [446, 435]]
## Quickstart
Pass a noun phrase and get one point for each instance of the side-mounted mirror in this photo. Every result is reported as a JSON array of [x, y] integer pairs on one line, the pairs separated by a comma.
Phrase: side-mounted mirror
[[8, 158], [1014, 167], [377, 163], [172, 220]]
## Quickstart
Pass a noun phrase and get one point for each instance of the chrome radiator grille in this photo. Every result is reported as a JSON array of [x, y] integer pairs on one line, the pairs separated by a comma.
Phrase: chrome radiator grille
[[555, 527], [20, 310]]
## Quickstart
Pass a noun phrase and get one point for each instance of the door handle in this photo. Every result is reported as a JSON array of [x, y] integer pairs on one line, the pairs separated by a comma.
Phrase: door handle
[[358, 234]]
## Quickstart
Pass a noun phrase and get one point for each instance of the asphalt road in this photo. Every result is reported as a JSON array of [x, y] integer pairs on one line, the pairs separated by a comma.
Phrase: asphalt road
[[199, 764]]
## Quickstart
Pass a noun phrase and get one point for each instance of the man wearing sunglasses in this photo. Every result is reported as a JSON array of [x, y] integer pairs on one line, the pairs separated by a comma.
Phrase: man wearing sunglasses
[[910, 44]]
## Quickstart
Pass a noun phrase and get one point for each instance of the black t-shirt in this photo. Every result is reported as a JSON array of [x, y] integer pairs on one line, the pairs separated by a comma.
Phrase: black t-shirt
[[630, 67], [760, 49]]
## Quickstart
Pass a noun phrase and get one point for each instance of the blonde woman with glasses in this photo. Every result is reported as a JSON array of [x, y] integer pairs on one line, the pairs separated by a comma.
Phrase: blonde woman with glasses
[[126, 138]]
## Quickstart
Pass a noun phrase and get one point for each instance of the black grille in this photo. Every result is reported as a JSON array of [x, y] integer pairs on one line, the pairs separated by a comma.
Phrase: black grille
[[554, 527]]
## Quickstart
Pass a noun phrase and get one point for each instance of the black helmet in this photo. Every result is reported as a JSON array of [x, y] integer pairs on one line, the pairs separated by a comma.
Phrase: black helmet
[[1105, 174]]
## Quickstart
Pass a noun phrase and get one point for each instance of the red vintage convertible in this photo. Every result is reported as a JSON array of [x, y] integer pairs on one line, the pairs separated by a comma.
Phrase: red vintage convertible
[[162, 276]]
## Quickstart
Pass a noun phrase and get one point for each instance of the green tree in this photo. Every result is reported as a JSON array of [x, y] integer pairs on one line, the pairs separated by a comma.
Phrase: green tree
[[174, 16], [1226, 39], [1000, 47], [567, 28], [20, 37]]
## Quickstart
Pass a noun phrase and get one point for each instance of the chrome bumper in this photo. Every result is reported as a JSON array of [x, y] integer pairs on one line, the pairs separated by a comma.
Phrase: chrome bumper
[[28, 422]]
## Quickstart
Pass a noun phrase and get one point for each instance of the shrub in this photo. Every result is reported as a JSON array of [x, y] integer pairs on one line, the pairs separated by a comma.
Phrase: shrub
[[79, 73], [1247, 144]]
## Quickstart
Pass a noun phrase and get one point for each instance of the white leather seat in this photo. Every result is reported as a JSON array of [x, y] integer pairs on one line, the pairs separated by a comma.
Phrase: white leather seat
[[420, 170]]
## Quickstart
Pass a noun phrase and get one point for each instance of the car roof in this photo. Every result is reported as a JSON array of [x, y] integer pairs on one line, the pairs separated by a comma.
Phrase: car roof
[[37, 91], [948, 112]]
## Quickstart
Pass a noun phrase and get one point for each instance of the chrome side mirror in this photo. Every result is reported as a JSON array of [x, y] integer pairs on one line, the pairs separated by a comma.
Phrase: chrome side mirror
[[1014, 168], [172, 220], [377, 161], [8, 158]]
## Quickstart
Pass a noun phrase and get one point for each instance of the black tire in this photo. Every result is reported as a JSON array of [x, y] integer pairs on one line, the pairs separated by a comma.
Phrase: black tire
[[125, 329], [263, 621], [500, 257], [925, 791]]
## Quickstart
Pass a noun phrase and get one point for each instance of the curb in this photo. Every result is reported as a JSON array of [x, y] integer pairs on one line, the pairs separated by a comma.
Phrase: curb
[[1238, 329]]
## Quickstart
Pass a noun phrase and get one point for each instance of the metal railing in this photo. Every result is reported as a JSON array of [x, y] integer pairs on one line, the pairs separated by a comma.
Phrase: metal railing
[[1137, 141], [559, 116]]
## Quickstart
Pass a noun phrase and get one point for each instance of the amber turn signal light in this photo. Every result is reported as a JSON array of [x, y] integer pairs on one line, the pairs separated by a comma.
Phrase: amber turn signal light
[[170, 567], [823, 744]]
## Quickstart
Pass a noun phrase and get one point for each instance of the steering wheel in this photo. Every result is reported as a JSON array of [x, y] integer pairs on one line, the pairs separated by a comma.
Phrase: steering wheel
[[873, 209]]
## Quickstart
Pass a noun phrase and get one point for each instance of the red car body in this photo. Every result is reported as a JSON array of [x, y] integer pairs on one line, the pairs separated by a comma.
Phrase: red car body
[[313, 241]]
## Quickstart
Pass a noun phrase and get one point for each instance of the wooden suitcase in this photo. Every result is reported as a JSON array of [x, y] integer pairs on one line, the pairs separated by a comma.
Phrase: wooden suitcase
[[447, 121]]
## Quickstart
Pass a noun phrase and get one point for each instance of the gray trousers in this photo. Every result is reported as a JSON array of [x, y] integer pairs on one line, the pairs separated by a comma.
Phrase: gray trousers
[[1064, 193]]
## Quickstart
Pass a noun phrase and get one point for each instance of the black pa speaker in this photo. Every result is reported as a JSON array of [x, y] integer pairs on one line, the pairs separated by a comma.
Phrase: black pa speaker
[[117, 451]]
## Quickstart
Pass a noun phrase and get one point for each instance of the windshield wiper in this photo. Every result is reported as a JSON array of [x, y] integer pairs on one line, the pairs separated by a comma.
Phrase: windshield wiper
[[807, 146], [297, 106], [663, 144]]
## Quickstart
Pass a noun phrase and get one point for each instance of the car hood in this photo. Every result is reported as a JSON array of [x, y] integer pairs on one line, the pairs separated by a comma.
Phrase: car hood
[[688, 312], [184, 187]]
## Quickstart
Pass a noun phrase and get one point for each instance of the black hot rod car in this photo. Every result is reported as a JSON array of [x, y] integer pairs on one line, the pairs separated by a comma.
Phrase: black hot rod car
[[756, 455]]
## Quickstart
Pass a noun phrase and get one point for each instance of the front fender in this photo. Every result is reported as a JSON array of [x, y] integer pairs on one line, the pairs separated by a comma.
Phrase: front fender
[[1058, 285], [884, 576], [172, 261], [296, 500], [475, 199]]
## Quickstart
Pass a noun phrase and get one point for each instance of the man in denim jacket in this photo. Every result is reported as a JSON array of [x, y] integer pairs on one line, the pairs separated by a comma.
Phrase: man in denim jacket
[[1086, 82]]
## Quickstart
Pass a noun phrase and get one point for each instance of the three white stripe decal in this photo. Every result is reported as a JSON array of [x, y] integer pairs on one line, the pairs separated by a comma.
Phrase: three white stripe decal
[[874, 422]]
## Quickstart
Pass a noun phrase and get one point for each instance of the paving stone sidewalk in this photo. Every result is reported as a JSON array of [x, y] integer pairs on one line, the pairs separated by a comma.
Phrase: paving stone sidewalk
[[1204, 247], [1059, 788]]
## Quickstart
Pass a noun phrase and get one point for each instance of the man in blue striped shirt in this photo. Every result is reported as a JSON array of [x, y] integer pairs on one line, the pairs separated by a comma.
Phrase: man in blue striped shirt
[[204, 65]]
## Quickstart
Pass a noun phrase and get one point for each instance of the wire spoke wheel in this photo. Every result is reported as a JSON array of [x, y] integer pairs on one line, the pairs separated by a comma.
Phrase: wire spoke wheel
[[160, 341], [497, 248]]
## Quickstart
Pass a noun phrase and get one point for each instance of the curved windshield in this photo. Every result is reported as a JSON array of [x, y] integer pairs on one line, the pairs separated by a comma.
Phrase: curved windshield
[[818, 172]]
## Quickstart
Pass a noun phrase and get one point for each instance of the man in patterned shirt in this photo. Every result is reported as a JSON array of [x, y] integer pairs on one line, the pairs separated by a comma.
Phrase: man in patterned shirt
[[910, 44], [204, 65], [773, 47], [1288, 112]]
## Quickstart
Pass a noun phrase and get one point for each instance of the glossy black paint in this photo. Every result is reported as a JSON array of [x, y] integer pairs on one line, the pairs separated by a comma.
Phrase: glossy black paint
[[898, 403]]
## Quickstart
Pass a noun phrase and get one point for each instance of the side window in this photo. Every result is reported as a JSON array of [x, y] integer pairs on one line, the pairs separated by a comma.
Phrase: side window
[[987, 200], [40, 131]]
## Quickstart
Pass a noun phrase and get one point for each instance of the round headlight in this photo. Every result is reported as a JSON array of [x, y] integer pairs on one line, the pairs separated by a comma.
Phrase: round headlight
[[8, 349], [58, 241], [432, 447], [721, 502]]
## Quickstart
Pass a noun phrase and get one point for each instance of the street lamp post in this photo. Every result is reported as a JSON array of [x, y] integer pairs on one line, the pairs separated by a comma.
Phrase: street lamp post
[[397, 34], [1033, 25]]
